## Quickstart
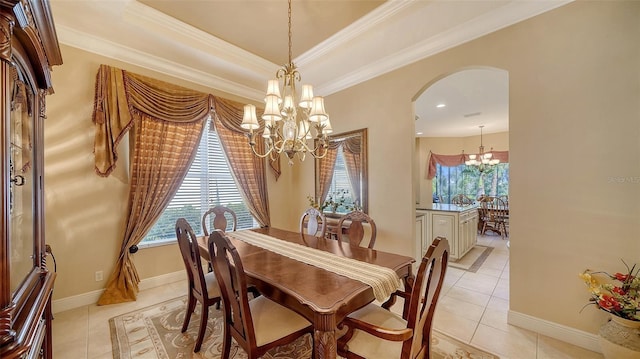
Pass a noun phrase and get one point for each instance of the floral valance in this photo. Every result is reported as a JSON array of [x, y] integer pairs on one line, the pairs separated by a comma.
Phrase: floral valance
[[456, 160]]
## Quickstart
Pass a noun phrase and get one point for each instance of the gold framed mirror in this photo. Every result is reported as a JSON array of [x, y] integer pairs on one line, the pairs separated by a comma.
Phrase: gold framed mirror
[[342, 175]]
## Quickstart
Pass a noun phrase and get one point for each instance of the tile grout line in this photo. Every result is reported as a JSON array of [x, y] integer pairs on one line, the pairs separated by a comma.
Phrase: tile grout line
[[86, 347], [486, 306]]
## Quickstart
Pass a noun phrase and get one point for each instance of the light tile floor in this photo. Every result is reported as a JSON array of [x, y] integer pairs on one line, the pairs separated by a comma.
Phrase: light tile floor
[[473, 308]]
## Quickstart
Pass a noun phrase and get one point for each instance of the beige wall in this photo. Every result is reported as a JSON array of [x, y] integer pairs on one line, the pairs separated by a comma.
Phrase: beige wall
[[448, 146], [573, 95], [573, 141]]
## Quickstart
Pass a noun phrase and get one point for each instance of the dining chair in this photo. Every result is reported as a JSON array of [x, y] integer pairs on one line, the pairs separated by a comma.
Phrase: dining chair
[[203, 287], [355, 230], [314, 221], [373, 332], [219, 220], [257, 325], [505, 199], [494, 215], [483, 211]]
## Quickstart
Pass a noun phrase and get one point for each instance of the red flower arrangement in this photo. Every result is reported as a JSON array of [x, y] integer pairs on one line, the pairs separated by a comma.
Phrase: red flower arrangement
[[618, 294]]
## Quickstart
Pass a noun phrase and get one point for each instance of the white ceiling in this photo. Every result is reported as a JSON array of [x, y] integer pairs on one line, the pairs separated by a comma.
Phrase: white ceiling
[[236, 45], [471, 98]]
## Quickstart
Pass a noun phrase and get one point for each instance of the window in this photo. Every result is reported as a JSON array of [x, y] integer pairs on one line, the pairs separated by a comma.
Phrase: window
[[208, 183], [468, 180], [340, 190]]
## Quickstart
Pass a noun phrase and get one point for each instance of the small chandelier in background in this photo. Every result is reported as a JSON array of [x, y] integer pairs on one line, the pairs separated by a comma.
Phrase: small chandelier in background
[[288, 122], [482, 160]]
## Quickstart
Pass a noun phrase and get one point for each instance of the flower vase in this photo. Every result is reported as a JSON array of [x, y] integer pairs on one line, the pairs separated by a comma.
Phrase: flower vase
[[620, 338]]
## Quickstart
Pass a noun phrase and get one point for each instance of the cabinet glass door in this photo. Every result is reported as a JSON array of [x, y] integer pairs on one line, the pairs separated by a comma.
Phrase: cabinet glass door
[[21, 204]]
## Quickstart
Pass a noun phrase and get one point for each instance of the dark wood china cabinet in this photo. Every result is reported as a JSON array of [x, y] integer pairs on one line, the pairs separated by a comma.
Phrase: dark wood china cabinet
[[28, 49]]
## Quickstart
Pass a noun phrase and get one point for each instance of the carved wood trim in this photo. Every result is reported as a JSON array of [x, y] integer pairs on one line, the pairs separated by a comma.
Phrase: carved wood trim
[[326, 344], [42, 102], [36, 33], [324, 335], [6, 33], [6, 304], [6, 332]]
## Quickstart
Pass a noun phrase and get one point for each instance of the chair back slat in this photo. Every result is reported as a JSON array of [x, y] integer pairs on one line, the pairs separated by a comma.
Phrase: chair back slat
[[314, 221], [355, 230], [216, 218], [228, 268]]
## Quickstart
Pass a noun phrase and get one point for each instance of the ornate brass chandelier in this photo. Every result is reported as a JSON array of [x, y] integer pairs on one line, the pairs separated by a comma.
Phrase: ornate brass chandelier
[[482, 160], [288, 122]]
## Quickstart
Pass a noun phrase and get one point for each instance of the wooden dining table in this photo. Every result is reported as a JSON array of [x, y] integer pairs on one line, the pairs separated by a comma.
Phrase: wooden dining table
[[323, 297]]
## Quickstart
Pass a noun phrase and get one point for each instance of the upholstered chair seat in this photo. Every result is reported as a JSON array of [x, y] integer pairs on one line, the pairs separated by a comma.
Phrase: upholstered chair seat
[[271, 321], [368, 346], [213, 288]]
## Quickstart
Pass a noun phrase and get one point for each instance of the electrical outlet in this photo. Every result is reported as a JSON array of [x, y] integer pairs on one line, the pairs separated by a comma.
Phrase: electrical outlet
[[99, 276]]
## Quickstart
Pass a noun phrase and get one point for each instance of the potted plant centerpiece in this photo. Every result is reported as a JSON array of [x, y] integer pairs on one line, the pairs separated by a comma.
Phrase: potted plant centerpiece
[[619, 295], [339, 201]]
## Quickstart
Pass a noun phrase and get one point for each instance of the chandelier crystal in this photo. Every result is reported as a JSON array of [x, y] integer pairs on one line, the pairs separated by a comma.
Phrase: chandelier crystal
[[482, 160], [289, 118]]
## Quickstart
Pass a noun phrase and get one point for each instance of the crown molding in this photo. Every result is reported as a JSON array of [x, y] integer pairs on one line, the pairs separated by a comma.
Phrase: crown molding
[[168, 27], [225, 58], [361, 26], [103, 47], [507, 15]]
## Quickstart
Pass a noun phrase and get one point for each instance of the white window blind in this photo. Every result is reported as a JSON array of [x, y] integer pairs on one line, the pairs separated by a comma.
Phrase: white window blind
[[340, 189], [208, 183]]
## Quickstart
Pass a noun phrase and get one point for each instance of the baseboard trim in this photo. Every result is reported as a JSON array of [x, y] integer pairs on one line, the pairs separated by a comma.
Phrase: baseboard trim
[[80, 300], [76, 301], [554, 330], [161, 280]]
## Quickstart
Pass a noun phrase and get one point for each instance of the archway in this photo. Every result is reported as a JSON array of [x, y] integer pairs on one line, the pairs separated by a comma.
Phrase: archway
[[449, 110]]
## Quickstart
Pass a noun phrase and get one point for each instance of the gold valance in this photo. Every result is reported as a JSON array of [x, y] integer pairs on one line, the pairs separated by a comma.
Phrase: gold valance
[[120, 93]]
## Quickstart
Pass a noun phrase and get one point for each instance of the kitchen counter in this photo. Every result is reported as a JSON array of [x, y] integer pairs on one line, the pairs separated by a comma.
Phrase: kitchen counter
[[458, 224], [446, 207]]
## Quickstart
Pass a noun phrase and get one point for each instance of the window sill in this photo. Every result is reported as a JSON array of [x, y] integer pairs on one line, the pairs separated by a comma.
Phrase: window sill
[[163, 242]]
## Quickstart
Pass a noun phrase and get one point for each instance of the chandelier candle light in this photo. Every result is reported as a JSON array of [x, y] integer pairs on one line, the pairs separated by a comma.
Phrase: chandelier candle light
[[482, 160], [288, 122]]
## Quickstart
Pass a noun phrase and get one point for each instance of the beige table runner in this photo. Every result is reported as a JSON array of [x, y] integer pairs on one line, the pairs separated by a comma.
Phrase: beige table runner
[[384, 281]]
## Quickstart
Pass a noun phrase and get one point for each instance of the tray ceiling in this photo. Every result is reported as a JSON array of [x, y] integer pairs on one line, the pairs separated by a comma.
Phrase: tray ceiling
[[236, 45]]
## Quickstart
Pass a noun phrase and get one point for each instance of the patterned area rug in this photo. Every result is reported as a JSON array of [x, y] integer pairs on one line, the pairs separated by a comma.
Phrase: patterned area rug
[[472, 261], [154, 332]]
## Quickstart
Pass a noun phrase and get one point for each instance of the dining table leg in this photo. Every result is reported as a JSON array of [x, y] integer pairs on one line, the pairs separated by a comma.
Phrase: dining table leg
[[408, 288], [324, 336], [390, 302]]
